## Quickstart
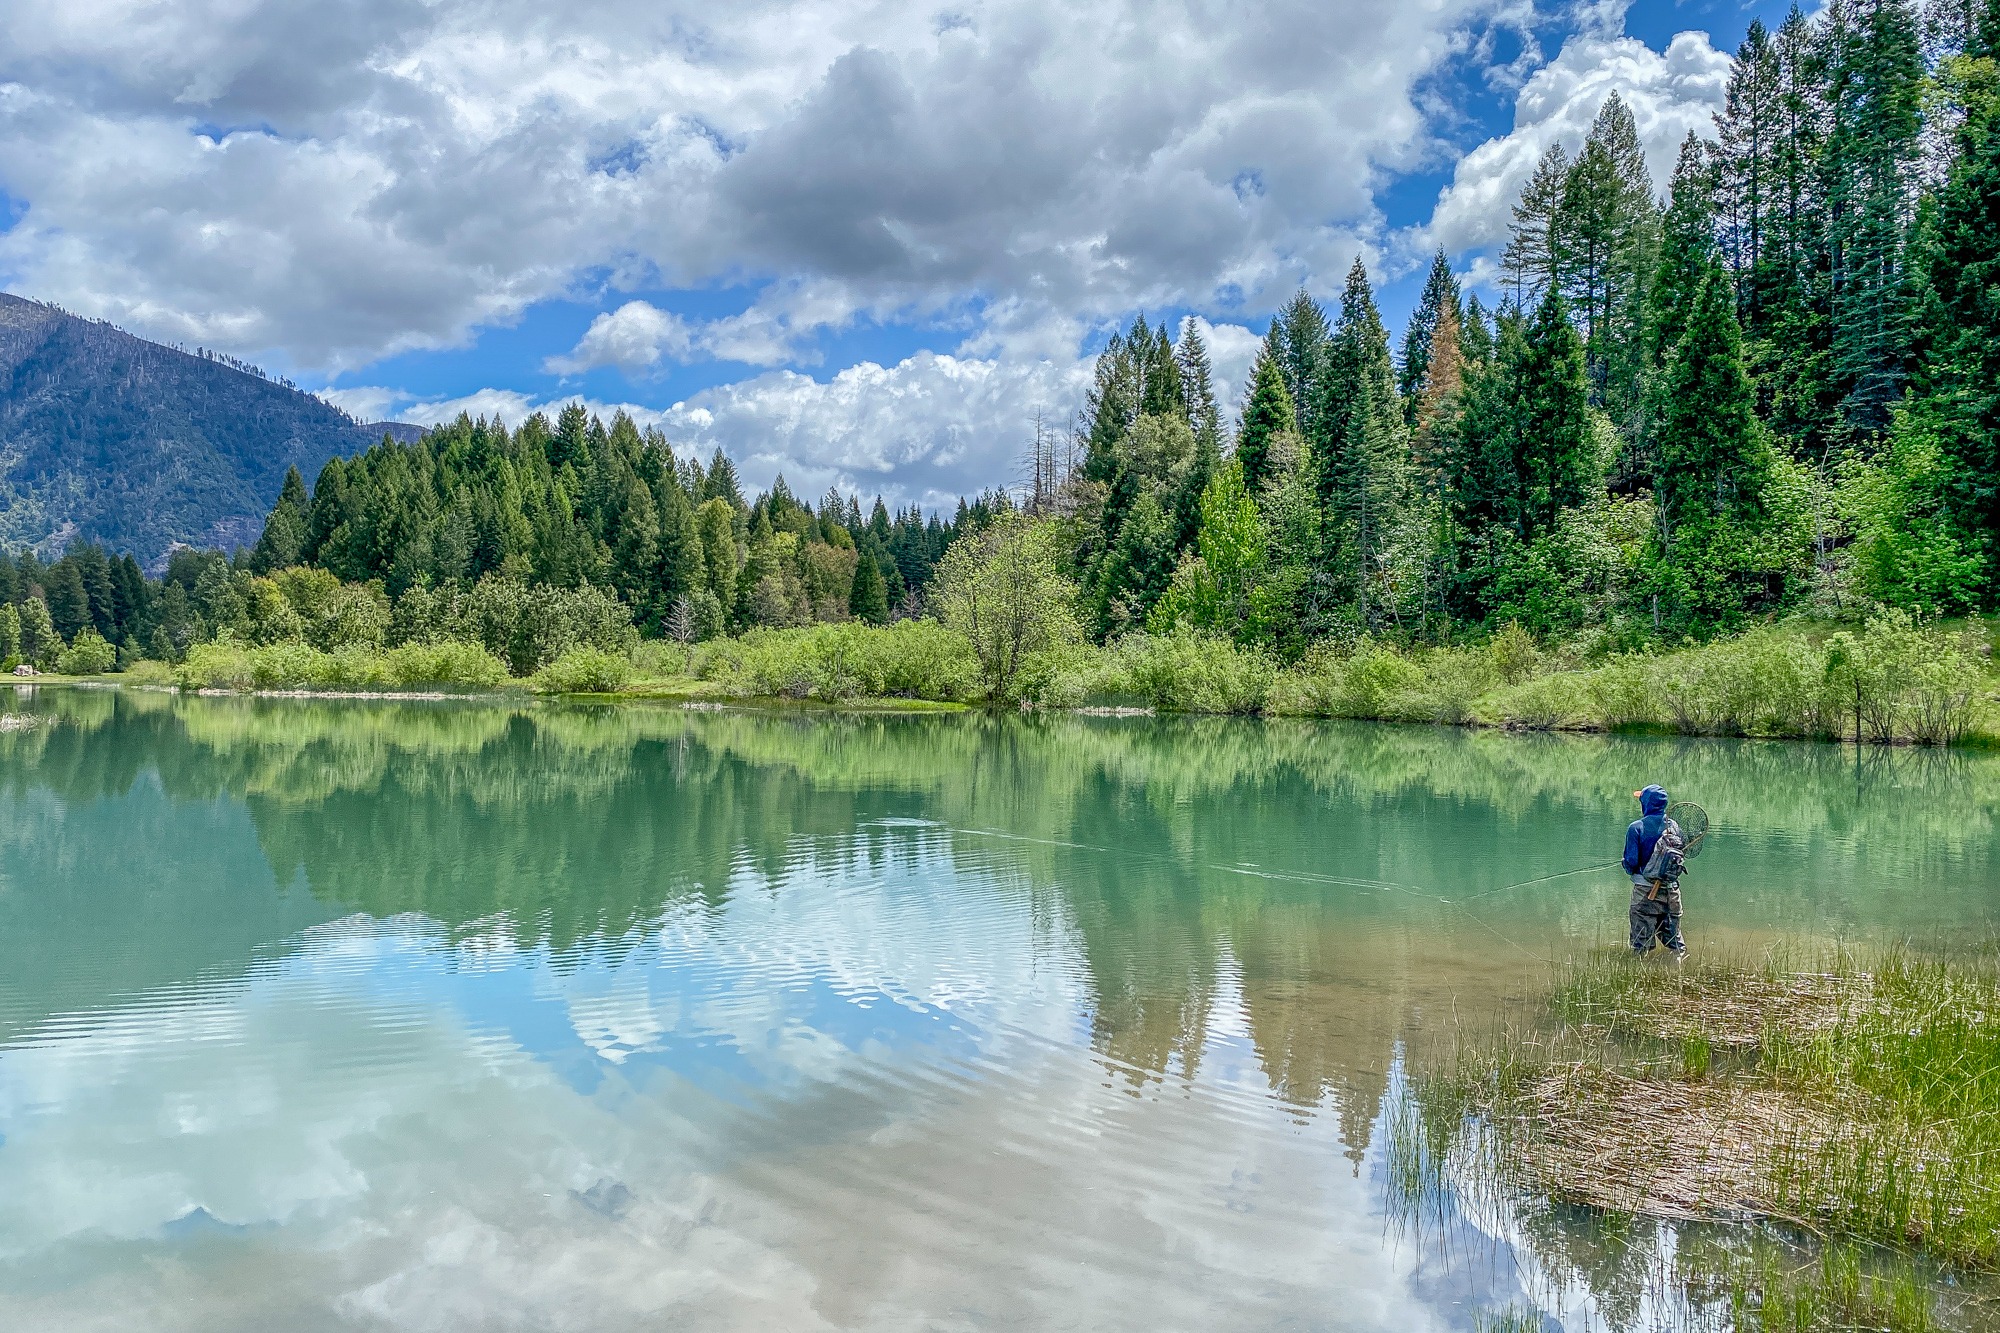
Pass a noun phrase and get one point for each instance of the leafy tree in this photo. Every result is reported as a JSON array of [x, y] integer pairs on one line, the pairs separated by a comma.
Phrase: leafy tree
[[1003, 587], [1214, 583]]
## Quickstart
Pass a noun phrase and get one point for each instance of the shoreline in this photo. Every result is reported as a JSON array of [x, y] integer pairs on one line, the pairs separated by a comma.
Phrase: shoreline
[[694, 695]]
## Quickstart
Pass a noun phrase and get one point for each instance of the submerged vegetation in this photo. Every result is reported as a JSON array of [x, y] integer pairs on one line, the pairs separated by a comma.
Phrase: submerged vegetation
[[1852, 1101]]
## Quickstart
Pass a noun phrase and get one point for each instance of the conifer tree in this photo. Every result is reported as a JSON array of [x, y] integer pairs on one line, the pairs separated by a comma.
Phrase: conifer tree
[[1558, 464], [715, 521], [1357, 430], [1605, 233], [1296, 342], [1532, 259], [1714, 460], [1955, 393], [1197, 384], [1267, 413], [1872, 156], [1440, 294], [1750, 127], [868, 599]]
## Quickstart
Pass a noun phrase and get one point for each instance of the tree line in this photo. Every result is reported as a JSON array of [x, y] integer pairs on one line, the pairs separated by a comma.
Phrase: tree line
[[526, 540]]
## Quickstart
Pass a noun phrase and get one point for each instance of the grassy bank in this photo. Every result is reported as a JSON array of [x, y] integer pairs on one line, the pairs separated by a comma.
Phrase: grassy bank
[[1856, 1101], [1889, 681]]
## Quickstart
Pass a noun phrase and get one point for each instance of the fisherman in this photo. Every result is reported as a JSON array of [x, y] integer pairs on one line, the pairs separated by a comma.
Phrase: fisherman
[[1653, 858]]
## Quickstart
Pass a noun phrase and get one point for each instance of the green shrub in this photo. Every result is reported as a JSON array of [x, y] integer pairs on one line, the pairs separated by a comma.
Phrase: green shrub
[[89, 655], [445, 662], [1543, 704], [912, 659], [1190, 672], [1381, 683], [585, 671], [1454, 681]]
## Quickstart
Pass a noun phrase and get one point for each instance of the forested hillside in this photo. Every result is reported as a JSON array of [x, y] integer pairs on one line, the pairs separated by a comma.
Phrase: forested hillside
[[107, 438]]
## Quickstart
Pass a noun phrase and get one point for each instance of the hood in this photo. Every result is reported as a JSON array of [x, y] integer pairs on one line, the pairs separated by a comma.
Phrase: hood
[[1653, 801]]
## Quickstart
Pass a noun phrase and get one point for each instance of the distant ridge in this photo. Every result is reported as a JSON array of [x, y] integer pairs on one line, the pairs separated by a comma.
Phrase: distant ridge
[[110, 438], [402, 432]]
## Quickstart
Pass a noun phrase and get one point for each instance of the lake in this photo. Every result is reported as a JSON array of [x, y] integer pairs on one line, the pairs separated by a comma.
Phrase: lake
[[455, 1015]]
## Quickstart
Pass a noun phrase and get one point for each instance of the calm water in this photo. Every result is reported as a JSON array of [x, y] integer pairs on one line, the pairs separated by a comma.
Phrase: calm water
[[451, 1016]]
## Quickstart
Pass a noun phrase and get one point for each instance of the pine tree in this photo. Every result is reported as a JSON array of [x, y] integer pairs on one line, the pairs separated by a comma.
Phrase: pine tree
[[715, 522], [1197, 383], [1687, 252], [720, 483], [1604, 235], [1440, 295], [1437, 397], [1872, 156], [68, 603], [1531, 261], [1296, 342], [1266, 413], [1714, 460], [1356, 427], [868, 600], [1557, 456], [1749, 126], [1955, 394]]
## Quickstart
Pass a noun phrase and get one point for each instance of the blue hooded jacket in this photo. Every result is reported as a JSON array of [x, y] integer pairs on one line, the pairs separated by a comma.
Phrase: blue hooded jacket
[[1645, 831]]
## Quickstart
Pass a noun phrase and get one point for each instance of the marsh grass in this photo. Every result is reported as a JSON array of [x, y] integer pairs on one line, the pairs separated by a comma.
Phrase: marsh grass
[[1854, 1098]]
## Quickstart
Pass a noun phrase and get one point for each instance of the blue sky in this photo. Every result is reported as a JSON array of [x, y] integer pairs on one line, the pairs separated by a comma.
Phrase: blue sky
[[861, 242]]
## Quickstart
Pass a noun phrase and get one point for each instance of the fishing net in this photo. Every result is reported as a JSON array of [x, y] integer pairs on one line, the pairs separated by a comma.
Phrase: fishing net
[[1694, 826]]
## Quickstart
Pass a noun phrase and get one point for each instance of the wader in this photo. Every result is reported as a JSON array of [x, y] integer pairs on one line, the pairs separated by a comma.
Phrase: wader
[[1656, 912]]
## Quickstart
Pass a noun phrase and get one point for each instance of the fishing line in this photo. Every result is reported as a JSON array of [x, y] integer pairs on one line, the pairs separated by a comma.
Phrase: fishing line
[[1564, 874]]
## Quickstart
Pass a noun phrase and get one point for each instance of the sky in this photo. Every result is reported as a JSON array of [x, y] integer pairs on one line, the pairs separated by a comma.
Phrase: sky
[[861, 243]]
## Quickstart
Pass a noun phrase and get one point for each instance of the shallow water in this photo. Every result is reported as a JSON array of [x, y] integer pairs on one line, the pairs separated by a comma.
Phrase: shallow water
[[450, 1016]]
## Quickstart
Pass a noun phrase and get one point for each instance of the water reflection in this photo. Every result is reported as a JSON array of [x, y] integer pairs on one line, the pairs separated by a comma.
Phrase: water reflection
[[412, 1015]]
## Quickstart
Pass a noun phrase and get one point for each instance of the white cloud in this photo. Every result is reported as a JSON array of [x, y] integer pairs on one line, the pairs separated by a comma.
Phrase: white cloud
[[634, 337], [1670, 93], [927, 429], [328, 185]]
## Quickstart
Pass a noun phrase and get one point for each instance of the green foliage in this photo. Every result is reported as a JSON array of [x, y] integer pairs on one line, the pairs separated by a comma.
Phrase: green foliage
[[39, 642], [868, 594], [584, 670], [87, 655], [1213, 587], [1190, 672], [911, 659], [1003, 589], [226, 664], [1907, 550]]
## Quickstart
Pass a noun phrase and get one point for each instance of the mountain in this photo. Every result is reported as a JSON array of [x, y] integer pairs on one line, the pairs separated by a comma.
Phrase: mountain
[[109, 438]]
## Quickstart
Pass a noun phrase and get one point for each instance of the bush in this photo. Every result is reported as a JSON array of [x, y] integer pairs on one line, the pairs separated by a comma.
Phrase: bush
[[912, 659], [229, 665], [1190, 672], [585, 670], [89, 655], [1543, 704], [445, 662]]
